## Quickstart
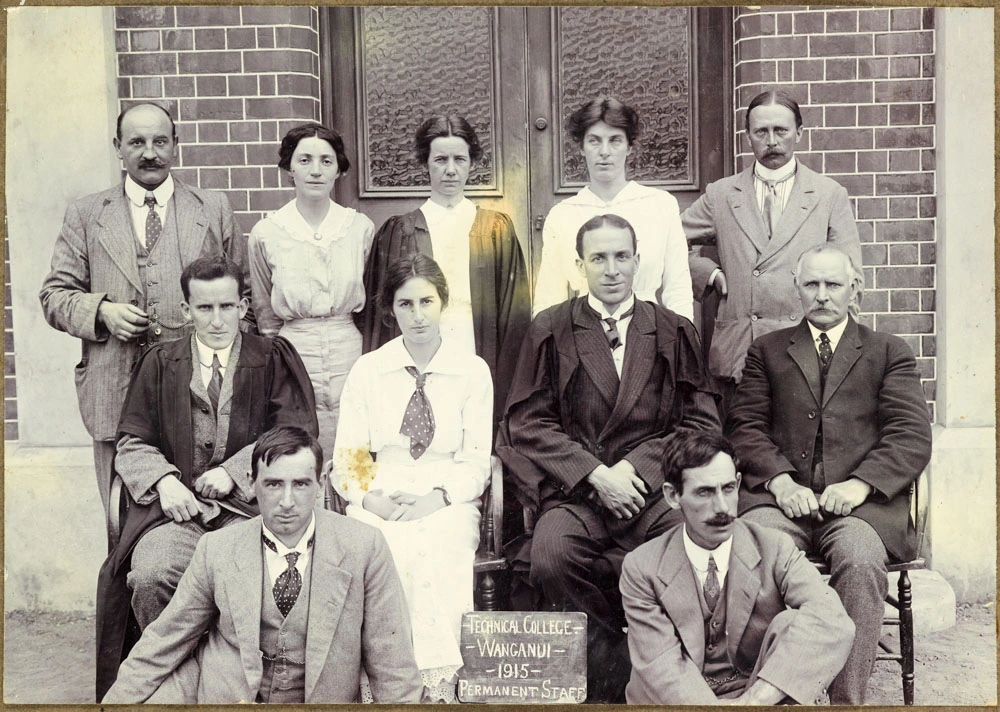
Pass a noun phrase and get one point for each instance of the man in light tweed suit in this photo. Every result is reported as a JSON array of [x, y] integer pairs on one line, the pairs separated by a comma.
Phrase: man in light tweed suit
[[114, 279], [192, 414], [760, 221]]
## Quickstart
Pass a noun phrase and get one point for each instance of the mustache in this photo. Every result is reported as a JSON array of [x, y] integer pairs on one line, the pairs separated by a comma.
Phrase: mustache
[[721, 520], [152, 164]]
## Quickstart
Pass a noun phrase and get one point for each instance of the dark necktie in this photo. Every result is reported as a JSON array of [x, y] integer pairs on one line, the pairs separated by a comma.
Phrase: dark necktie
[[711, 587], [153, 225], [289, 582], [825, 356], [215, 384], [418, 420], [614, 338]]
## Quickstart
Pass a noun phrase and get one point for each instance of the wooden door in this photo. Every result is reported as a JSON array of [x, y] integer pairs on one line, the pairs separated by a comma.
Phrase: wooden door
[[516, 74], [387, 69]]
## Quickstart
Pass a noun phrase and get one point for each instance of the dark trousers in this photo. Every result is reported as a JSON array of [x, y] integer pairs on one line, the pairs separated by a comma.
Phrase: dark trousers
[[857, 560], [576, 555]]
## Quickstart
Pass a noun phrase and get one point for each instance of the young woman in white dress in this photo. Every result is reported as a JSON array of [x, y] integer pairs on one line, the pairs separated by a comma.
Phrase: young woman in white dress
[[413, 458], [307, 260]]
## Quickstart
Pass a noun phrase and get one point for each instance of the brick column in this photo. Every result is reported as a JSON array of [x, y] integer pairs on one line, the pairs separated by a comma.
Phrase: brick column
[[235, 79], [865, 81]]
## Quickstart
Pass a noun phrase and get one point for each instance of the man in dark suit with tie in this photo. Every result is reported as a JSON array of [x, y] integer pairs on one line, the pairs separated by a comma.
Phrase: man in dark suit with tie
[[760, 221], [832, 427], [192, 414], [601, 380], [114, 282]]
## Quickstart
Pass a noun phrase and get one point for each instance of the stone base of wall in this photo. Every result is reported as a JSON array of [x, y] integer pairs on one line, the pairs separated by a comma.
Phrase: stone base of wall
[[961, 510], [54, 531]]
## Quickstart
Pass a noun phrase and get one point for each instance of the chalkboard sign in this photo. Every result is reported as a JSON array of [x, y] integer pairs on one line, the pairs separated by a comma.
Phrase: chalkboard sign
[[523, 657]]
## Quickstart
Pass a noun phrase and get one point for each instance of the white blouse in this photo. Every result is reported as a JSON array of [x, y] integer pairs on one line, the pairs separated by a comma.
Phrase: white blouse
[[378, 389]]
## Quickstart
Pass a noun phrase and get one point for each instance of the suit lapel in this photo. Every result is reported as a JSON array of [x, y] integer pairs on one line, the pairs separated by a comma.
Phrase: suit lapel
[[742, 585], [847, 353], [743, 203], [118, 238], [801, 202], [592, 348], [680, 597], [640, 352], [243, 579], [191, 223], [328, 590], [802, 351]]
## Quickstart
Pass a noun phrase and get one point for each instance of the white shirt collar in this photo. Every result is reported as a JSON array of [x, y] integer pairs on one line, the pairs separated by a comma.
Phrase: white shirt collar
[[598, 306], [394, 356], [586, 196], [699, 556], [137, 194], [435, 212], [833, 333], [765, 173], [205, 353], [302, 547], [290, 219]]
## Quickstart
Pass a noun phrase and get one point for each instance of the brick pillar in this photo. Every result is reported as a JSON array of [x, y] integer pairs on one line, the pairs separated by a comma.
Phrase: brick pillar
[[9, 382], [235, 79], [864, 79]]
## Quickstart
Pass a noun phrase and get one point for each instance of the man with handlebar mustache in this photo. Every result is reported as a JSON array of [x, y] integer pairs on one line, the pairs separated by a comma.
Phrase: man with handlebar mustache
[[115, 275]]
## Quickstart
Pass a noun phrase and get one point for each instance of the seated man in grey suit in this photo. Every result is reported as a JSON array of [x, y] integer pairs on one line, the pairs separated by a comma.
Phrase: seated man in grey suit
[[832, 426], [295, 604], [721, 611], [600, 381], [192, 413]]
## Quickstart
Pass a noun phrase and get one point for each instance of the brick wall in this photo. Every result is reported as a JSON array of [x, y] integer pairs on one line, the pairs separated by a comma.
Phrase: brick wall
[[864, 79], [9, 383], [235, 79]]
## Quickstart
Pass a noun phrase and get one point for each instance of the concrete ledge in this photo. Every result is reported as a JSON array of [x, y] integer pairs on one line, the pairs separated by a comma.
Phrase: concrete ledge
[[961, 510], [54, 532], [933, 601]]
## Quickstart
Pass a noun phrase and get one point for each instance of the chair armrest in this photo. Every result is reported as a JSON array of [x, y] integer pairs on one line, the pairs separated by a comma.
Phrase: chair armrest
[[117, 506]]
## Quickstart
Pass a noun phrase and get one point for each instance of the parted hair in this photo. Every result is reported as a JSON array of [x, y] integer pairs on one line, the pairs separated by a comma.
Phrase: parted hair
[[281, 442], [291, 141], [599, 221], [402, 271], [206, 269], [686, 449], [775, 96], [610, 111], [442, 126]]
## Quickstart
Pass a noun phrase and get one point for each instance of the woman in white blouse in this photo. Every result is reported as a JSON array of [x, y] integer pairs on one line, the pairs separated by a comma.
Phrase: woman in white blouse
[[606, 130], [422, 406], [307, 260]]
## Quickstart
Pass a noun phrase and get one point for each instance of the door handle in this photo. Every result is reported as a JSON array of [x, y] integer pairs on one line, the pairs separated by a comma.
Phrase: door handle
[[541, 123], [539, 221]]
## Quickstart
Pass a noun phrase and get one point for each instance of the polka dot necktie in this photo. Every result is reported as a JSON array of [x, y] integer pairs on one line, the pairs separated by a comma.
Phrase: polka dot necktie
[[418, 420], [711, 587], [153, 225], [289, 582]]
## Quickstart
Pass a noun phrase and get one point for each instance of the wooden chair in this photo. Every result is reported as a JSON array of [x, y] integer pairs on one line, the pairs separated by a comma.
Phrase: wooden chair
[[489, 557], [902, 602]]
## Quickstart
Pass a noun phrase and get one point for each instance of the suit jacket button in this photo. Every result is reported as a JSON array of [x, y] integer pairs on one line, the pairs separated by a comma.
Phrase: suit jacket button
[[812, 414], [804, 455], [756, 273], [134, 302], [204, 409], [208, 446], [753, 317]]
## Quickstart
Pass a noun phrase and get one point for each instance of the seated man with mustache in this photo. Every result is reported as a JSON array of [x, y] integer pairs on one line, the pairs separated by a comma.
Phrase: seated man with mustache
[[721, 611]]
